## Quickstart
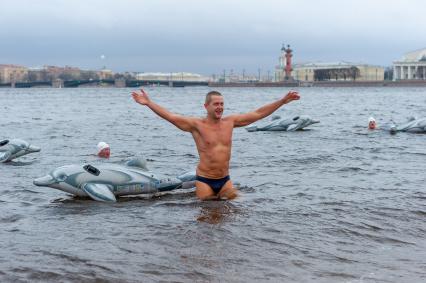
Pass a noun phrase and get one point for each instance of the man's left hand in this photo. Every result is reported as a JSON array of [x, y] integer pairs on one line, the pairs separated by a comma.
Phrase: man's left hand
[[291, 95]]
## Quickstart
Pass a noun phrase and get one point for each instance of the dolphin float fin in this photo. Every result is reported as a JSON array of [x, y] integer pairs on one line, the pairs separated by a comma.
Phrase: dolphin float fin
[[99, 192], [292, 127], [4, 156], [138, 162], [251, 128], [188, 180], [187, 176]]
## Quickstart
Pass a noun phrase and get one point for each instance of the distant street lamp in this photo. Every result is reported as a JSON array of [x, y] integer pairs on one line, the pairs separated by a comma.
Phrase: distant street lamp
[[102, 59]]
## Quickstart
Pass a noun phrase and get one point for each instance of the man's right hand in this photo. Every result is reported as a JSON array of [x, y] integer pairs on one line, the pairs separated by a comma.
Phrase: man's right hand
[[141, 98]]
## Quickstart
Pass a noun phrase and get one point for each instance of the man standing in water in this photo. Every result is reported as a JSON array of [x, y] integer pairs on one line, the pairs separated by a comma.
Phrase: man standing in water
[[213, 138]]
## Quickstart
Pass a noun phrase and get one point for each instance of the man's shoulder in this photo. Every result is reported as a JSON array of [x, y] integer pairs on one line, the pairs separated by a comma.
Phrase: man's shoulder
[[230, 118], [197, 119], [191, 118]]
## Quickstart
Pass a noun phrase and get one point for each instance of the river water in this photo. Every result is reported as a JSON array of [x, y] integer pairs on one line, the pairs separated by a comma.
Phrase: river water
[[335, 203]]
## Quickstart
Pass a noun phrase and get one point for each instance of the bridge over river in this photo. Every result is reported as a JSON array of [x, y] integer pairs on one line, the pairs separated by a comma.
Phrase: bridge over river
[[110, 82]]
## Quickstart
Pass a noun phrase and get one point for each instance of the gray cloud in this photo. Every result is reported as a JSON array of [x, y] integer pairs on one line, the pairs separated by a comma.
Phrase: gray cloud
[[206, 36]]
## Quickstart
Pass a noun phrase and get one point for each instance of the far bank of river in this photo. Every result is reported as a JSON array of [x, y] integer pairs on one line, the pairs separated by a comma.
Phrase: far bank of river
[[405, 83]]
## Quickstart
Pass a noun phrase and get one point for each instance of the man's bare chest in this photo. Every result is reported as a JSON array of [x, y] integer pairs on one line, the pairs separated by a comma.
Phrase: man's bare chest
[[218, 135]]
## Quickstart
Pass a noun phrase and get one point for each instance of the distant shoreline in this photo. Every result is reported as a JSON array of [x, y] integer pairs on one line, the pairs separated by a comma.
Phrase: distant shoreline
[[404, 83]]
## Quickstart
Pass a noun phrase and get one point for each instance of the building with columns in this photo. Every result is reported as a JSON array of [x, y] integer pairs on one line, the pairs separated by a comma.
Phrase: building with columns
[[412, 66]]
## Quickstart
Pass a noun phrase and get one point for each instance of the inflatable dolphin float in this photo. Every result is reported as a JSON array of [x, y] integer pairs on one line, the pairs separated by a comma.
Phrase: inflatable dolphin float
[[105, 182], [413, 125], [281, 124], [11, 149]]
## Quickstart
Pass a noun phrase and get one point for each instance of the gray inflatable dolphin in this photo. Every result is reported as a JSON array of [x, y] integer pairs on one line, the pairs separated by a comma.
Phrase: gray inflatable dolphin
[[11, 149], [413, 125], [281, 124], [104, 182]]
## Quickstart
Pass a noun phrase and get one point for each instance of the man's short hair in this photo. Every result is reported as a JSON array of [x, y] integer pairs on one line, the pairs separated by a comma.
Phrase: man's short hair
[[210, 94]]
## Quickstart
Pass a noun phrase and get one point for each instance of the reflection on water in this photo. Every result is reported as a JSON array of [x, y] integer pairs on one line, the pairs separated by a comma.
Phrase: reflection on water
[[216, 212]]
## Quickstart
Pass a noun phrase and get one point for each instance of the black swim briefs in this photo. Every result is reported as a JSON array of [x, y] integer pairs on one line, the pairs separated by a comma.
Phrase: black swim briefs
[[215, 184]]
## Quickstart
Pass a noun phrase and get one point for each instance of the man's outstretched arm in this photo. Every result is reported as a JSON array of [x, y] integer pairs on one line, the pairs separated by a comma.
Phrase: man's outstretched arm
[[184, 123], [241, 120]]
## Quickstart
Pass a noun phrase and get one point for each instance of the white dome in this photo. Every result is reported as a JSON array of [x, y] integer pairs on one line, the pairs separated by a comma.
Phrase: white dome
[[415, 56]]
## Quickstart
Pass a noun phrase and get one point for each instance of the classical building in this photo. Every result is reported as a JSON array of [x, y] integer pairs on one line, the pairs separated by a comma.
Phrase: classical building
[[412, 66], [13, 73], [338, 71]]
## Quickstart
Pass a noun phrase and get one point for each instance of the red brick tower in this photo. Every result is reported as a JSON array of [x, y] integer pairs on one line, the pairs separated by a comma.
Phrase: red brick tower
[[288, 68]]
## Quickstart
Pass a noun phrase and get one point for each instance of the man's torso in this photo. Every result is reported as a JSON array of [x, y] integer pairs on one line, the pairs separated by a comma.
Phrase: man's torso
[[214, 141]]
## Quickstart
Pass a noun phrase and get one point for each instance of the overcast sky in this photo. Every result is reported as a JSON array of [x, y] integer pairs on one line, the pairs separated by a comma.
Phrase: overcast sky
[[207, 36]]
